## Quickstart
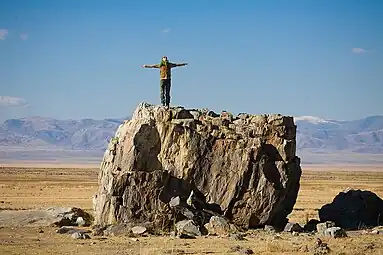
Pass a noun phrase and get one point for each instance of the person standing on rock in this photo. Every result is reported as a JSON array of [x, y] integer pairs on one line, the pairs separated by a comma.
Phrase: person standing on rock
[[165, 78]]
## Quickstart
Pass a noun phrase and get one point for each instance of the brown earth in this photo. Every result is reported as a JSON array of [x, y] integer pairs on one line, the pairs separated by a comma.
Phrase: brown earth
[[43, 186]]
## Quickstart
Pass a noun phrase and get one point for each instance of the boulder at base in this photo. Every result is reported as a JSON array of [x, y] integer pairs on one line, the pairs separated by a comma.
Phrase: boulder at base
[[243, 168], [53, 216], [354, 209]]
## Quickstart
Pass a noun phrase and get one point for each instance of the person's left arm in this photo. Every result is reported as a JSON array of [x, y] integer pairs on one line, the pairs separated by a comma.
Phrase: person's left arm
[[177, 65]]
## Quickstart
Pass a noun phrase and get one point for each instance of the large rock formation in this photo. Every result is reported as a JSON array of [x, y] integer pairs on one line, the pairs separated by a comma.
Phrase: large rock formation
[[243, 168]]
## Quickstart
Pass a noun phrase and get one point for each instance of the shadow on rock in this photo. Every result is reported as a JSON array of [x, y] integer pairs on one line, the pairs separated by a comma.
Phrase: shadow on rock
[[147, 143]]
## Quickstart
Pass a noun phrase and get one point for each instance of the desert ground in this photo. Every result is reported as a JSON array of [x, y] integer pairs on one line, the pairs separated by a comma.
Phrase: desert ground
[[31, 186]]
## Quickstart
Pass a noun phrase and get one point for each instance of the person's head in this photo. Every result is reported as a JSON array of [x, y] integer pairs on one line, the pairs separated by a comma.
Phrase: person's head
[[164, 58]]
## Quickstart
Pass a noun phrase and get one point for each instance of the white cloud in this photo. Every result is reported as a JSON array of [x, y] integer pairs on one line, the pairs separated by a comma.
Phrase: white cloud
[[166, 30], [3, 33], [358, 50], [24, 36], [8, 101]]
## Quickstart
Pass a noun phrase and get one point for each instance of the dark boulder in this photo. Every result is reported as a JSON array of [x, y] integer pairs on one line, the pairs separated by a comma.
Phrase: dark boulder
[[354, 209]]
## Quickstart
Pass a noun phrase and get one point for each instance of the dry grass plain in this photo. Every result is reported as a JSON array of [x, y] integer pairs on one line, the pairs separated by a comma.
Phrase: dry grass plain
[[43, 186]]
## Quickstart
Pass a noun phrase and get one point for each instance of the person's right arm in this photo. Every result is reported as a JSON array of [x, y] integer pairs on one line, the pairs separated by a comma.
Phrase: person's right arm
[[151, 66]]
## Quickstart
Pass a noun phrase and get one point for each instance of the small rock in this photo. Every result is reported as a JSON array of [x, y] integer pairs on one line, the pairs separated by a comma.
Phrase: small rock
[[98, 231], [118, 230], [321, 227], [217, 226], [2, 201], [175, 201], [378, 230], [293, 227], [375, 232], [79, 235], [241, 250], [311, 225], [68, 216], [184, 236], [138, 230], [295, 233], [80, 222], [335, 232], [41, 231], [187, 227], [135, 239], [246, 251], [269, 228], [320, 248], [65, 230]]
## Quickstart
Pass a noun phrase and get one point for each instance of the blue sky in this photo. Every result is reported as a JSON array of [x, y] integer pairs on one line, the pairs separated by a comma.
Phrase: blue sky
[[76, 59]]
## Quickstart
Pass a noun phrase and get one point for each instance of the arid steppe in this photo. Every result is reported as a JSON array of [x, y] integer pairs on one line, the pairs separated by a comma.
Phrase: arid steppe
[[42, 185]]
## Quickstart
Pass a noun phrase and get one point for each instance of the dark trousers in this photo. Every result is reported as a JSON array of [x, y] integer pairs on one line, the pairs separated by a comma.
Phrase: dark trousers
[[165, 91]]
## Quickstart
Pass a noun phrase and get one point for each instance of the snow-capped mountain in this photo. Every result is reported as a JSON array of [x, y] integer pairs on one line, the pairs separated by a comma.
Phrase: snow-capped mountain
[[91, 136]]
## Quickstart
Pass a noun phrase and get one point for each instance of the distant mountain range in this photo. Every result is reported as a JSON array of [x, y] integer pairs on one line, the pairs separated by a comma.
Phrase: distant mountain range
[[39, 132], [362, 136], [91, 136]]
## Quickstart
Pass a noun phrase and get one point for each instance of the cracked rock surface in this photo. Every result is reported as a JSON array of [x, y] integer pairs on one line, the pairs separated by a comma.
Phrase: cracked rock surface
[[242, 167]]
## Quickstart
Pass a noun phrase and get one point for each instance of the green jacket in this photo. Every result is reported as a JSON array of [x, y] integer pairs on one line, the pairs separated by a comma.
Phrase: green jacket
[[165, 68]]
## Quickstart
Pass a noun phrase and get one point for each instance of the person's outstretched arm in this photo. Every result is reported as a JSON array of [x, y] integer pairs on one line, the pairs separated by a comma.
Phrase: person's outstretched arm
[[151, 66], [181, 64]]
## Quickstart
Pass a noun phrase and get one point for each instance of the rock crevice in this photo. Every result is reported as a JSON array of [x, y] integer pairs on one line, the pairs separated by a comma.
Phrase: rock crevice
[[243, 167]]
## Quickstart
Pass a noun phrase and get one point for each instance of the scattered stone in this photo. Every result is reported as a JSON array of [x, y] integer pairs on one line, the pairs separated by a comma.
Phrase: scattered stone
[[98, 230], [69, 216], [188, 228], [70, 230], [321, 227], [41, 231], [54, 216], [2, 201], [269, 228], [218, 226], [175, 201], [80, 222], [311, 225], [320, 248], [241, 250], [354, 209], [378, 230], [118, 230], [67, 230], [79, 235], [262, 148], [375, 232], [335, 232], [184, 236], [135, 239], [138, 230], [293, 227], [295, 233]]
